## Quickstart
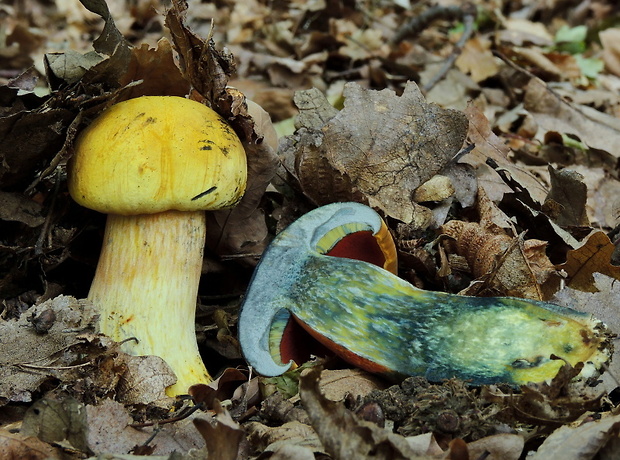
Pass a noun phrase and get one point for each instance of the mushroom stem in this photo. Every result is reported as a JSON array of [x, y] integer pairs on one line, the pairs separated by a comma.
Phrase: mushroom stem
[[146, 285]]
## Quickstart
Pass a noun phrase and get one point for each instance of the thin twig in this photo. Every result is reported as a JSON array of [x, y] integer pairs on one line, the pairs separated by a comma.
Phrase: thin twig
[[181, 416]]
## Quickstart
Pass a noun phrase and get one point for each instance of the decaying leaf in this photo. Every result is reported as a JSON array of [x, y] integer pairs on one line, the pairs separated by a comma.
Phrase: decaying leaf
[[594, 256], [16, 446], [489, 147], [57, 421], [509, 266], [590, 439], [552, 113], [222, 434], [569, 193], [109, 431], [342, 434], [389, 145]]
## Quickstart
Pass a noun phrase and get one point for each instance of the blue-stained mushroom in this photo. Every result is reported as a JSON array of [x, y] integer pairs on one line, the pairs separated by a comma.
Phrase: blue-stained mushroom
[[356, 306]]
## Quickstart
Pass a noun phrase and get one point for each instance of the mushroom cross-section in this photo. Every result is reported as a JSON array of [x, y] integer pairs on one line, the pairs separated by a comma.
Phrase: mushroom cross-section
[[154, 164], [377, 321]]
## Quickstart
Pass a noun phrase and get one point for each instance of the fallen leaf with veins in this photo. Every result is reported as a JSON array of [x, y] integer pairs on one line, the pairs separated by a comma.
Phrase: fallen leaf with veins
[[488, 146], [389, 145], [593, 256]]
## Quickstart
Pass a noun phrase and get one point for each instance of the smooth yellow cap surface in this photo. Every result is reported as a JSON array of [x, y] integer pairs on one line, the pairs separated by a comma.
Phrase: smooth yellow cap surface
[[157, 153]]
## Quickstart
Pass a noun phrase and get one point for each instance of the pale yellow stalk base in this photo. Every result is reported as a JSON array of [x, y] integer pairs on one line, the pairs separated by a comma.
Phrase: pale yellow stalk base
[[146, 286]]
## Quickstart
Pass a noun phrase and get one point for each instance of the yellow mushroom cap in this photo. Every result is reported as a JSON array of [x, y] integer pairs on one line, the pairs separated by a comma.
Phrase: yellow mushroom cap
[[157, 153]]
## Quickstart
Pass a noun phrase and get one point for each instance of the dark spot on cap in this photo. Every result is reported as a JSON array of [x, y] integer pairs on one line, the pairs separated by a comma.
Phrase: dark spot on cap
[[206, 192]]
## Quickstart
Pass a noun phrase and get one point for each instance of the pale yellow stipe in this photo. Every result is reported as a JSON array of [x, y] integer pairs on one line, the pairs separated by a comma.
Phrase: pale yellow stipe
[[146, 287]]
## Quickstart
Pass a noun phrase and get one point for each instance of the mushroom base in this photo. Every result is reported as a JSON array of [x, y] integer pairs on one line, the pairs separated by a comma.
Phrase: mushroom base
[[146, 285]]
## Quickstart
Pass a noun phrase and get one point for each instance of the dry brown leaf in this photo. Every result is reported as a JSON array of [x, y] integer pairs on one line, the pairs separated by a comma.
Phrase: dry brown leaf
[[497, 447], [477, 59], [144, 380], [490, 147], [272, 439], [222, 434], [509, 266], [58, 421], [583, 441], [17, 446], [594, 256], [610, 39], [389, 145], [17, 208], [552, 113], [571, 194], [109, 432], [157, 69]]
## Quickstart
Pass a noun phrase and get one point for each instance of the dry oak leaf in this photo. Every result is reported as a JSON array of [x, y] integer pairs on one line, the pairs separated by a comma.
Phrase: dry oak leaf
[[389, 145], [488, 146], [593, 256], [16, 446], [510, 266]]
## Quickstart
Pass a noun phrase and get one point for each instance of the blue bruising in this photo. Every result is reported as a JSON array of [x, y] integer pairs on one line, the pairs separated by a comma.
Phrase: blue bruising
[[379, 316]]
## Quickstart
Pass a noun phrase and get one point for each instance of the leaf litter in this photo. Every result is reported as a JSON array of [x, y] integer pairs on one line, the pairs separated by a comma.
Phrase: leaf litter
[[527, 163]]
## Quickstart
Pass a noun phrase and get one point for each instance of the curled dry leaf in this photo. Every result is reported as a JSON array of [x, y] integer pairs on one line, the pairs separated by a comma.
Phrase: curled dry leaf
[[488, 146], [591, 439], [157, 71], [510, 266], [222, 434], [378, 149], [594, 256], [318, 179]]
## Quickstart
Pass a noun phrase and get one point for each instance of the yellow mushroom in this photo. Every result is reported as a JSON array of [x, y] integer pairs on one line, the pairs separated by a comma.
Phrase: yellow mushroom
[[154, 164]]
